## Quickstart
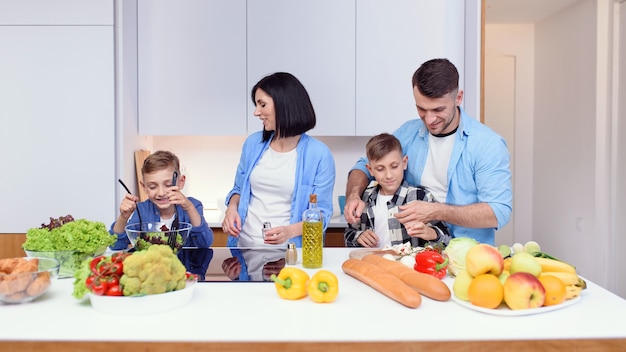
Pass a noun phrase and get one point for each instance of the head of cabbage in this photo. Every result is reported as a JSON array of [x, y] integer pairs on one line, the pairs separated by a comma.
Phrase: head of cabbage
[[456, 250]]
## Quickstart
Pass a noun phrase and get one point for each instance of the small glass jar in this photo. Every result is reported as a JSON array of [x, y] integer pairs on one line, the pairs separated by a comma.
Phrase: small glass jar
[[291, 255]]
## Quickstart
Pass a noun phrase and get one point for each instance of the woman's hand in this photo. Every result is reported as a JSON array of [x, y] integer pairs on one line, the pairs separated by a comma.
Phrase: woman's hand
[[231, 267], [232, 222], [279, 234], [368, 239]]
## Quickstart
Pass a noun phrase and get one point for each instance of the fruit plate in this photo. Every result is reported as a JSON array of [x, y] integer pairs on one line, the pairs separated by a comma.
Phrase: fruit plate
[[505, 311], [142, 305]]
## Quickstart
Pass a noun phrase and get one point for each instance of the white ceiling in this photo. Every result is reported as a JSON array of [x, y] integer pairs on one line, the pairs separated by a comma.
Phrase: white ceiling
[[522, 11]]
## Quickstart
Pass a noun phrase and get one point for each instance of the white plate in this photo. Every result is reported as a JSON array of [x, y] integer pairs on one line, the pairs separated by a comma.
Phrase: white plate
[[360, 253], [505, 311], [141, 305]]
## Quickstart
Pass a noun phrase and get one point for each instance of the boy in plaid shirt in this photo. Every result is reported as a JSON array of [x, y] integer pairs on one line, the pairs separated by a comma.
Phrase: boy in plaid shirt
[[382, 198]]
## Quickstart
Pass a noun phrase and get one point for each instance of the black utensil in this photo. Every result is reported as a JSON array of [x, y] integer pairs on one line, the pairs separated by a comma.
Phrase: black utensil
[[173, 235], [129, 192]]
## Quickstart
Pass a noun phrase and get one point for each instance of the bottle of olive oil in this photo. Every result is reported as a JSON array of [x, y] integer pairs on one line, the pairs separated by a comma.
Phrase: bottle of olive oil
[[312, 235]]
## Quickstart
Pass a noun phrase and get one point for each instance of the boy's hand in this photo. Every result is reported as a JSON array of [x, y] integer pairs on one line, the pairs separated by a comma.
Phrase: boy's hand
[[175, 196], [128, 205], [368, 239], [423, 231]]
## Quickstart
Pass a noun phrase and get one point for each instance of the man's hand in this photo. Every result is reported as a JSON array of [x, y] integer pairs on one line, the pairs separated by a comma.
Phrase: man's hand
[[354, 208], [415, 214]]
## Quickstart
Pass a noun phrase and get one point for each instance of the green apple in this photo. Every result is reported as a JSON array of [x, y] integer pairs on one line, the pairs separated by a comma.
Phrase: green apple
[[461, 285], [517, 248], [504, 250], [505, 275], [525, 263], [483, 259], [523, 291], [532, 247]]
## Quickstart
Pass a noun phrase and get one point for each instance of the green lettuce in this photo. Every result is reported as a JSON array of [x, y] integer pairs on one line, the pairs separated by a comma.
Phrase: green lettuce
[[81, 235]]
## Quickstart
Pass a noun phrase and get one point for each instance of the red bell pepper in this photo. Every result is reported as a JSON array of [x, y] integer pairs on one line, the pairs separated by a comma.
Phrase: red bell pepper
[[432, 263]]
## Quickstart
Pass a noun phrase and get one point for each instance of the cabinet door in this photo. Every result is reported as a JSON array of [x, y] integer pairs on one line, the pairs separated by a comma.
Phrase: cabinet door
[[393, 38], [314, 41], [58, 115], [56, 12], [192, 67]]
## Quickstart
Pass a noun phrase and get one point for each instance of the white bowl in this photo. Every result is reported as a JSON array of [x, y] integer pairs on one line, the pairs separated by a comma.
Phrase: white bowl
[[142, 305]]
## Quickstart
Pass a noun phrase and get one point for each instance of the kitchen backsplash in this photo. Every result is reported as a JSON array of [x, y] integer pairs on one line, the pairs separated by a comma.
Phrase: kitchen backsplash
[[210, 163]]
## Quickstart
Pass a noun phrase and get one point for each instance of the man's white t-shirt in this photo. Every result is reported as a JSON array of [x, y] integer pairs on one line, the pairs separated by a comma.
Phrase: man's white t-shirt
[[435, 175]]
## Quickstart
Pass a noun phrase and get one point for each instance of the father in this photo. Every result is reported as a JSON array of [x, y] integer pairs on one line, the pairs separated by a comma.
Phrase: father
[[462, 162]]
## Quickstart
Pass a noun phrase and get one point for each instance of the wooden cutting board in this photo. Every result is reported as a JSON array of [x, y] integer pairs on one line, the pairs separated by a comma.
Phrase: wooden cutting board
[[140, 156]]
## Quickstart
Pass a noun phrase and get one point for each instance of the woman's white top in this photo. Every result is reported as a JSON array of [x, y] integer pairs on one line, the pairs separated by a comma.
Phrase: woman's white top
[[271, 182]]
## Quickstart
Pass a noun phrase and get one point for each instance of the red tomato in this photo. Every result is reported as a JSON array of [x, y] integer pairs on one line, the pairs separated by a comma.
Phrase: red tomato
[[89, 281], [99, 287], [116, 268], [114, 290], [119, 257]]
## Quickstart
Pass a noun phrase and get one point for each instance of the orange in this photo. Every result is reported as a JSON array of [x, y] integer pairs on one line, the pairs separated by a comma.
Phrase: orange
[[555, 290], [485, 291]]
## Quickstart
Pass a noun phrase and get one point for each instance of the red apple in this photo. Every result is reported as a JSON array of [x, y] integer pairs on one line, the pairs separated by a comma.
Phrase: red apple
[[523, 290], [483, 259]]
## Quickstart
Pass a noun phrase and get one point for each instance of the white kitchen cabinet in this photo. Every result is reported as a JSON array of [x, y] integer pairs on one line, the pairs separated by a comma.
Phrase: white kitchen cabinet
[[314, 41], [393, 38], [192, 67], [58, 118], [56, 12]]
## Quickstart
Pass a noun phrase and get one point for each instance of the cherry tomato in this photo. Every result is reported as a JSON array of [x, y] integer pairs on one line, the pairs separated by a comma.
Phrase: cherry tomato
[[89, 281], [116, 268], [99, 287], [114, 290], [113, 280], [119, 257]]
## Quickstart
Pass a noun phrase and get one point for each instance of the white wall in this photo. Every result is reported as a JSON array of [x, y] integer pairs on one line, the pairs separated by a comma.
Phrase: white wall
[[518, 40], [565, 142], [210, 163]]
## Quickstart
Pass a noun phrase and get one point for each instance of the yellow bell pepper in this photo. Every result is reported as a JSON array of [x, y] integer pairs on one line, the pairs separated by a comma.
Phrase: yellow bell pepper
[[323, 287], [290, 283]]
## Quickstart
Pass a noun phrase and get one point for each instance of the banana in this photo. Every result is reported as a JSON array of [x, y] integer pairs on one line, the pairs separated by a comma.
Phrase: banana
[[572, 291], [567, 278], [552, 265]]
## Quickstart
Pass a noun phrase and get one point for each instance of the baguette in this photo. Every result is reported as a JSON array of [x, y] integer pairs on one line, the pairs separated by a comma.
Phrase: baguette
[[382, 281], [425, 284]]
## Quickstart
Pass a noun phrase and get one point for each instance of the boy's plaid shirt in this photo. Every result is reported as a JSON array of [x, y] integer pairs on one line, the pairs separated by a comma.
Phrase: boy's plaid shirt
[[405, 194]]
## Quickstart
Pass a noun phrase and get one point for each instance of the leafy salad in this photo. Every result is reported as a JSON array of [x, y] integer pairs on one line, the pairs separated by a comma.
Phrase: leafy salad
[[69, 235]]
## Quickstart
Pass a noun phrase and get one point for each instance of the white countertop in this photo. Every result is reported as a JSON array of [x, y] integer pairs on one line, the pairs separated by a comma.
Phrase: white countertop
[[214, 218], [239, 312]]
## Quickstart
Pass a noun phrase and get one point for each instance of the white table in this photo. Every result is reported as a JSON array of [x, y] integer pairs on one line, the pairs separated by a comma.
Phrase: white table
[[232, 315]]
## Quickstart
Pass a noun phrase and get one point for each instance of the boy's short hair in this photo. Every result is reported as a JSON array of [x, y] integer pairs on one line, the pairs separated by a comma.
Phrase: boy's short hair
[[380, 145], [160, 160]]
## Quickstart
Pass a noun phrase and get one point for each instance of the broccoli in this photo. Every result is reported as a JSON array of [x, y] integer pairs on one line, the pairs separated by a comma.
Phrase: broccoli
[[151, 271]]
